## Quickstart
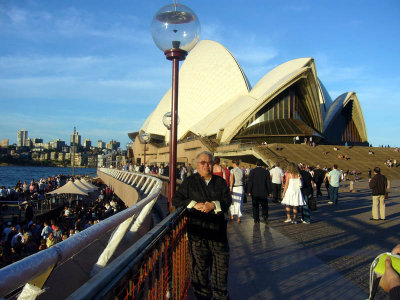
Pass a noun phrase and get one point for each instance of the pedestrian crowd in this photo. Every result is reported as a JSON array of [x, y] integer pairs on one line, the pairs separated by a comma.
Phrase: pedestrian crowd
[[391, 163], [211, 199], [297, 188], [214, 192], [182, 171], [21, 239], [34, 190]]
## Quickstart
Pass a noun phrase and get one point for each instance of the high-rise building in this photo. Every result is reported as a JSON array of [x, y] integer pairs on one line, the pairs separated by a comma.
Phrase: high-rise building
[[29, 143], [22, 136], [4, 143], [100, 144], [75, 141], [57, 145], [113, 145], [87, 144], [37, 141]]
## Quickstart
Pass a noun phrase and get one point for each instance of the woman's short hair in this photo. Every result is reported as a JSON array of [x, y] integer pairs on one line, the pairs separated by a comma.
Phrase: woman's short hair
[[217, 160]]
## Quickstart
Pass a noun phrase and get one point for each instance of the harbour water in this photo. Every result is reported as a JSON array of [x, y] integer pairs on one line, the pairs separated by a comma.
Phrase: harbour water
[[9, 175]]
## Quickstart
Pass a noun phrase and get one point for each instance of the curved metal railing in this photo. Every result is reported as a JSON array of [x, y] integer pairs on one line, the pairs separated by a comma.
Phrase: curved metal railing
[[21, 272]]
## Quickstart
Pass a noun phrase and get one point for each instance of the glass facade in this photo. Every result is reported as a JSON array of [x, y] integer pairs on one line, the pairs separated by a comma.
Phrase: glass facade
[[342, 129], [281, 119], [288, 115], [288, 105]]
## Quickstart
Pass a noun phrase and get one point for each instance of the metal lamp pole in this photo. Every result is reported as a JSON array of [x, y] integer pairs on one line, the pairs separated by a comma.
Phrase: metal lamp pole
[[175, 55], [144, 155], [175, 29], [144, 138]]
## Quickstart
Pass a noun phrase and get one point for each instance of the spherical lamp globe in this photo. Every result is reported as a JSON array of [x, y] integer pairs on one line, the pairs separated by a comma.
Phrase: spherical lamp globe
[[144, 138], [166, 119], [175, 26]]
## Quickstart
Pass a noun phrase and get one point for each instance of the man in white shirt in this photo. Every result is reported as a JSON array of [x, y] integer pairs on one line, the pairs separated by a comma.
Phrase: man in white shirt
[[147, 169], [277, 179]]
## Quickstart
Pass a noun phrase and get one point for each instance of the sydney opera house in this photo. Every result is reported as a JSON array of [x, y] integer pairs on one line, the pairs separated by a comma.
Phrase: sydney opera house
[[220, 111]]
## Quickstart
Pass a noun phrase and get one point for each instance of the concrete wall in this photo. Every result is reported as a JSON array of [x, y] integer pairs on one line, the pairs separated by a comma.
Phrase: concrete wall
[[125, 192], [186, 152]]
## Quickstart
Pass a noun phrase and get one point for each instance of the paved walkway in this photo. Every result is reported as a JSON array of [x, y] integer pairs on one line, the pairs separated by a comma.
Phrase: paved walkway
[[328, 259]]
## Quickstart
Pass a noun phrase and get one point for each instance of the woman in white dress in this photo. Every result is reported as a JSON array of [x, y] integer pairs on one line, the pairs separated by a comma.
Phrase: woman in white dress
[[292, 195], [237, 190]]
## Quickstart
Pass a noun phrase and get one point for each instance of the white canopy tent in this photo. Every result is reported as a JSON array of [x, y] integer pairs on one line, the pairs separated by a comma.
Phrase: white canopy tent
[[70, 188], [82, 186], [88, 185]]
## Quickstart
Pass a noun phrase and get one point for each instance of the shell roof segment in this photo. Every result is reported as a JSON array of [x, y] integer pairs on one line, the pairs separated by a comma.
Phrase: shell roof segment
[[214, 95], [276, 75], [357, 115], [208, 78]]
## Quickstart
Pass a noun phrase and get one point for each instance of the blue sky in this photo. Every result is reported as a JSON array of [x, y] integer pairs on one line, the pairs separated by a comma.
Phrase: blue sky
[[93, 64]]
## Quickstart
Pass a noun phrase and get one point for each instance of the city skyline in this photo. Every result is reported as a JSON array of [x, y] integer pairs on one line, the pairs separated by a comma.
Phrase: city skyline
[[96, 67], [82, 141]]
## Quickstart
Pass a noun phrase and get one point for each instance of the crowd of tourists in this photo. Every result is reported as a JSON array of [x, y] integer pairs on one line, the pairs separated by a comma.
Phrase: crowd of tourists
[[182, 171], [209, 196], [298, 187], [23, 191], [391, 163], [21, 239]]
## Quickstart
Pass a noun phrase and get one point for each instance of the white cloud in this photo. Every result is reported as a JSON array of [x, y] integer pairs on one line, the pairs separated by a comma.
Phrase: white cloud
[[70, 23], [332, 73], [255, 55], [297, 8], [17, 16], [117, 79], [72, 88], [90, 67], [212, 31]]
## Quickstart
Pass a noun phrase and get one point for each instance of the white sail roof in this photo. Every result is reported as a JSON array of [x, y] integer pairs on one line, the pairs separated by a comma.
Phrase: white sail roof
[[214, 95], [209, 77], [357, 115]]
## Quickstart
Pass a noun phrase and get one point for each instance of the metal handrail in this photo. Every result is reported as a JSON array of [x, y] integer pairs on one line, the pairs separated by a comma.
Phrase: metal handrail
[[17, 274], [99, 285]]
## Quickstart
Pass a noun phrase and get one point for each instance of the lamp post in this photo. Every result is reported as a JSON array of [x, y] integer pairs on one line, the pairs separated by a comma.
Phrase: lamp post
[[144, 139], [175, 29]]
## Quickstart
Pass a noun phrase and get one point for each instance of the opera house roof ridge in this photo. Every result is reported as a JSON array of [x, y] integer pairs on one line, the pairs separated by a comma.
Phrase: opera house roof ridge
[[216, 99]]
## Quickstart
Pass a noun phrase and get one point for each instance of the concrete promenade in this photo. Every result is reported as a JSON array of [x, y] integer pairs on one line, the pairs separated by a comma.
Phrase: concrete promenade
[[328, 259]]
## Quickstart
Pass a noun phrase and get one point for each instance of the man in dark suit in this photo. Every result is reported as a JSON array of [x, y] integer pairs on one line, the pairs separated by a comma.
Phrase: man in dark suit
[[307, 191], [319, 176], [259, 186]]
